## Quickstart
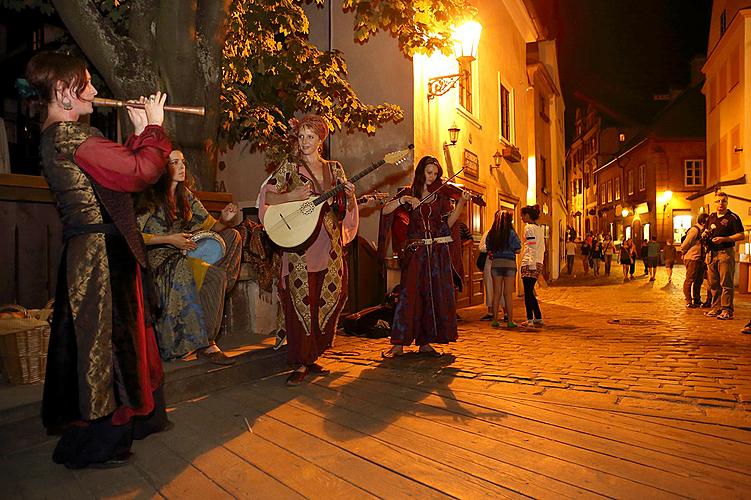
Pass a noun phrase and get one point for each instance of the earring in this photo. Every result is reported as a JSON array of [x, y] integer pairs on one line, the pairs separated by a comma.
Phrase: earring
[[67, 105]]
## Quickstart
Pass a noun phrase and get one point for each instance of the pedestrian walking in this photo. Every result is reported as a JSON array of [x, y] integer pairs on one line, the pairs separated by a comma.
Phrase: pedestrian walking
[[669, 256], [625, 258], [633, 252], [643, 254], [596, 255], [586, 250], [653, 256], [503, 244], [487, 279], [570, 255], [725, 229], [692, 249], [533, 256], [608, 249]]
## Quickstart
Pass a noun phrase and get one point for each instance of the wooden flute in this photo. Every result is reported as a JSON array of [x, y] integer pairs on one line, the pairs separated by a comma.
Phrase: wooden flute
[[114, 103]]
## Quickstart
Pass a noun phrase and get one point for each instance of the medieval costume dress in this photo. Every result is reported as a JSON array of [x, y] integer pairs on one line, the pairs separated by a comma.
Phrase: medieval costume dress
[[190, 293], [102, 386], [426, 311], [313, 284]]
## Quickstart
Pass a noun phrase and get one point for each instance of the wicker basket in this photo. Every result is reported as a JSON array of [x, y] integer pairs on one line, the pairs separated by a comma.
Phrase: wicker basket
[[23, 346]]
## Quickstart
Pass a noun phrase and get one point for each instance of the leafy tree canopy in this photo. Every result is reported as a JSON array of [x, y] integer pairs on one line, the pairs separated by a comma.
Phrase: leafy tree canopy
[[249, 62]]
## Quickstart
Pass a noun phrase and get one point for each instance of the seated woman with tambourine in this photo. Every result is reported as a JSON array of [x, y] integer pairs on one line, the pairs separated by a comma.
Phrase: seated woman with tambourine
[[190, 292]]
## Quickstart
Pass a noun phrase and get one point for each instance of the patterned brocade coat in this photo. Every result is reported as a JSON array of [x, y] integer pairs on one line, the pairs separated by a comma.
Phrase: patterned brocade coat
[[102, 356]]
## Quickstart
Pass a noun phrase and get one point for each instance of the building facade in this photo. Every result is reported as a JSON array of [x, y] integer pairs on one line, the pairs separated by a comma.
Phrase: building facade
[[643, 189], [509, 112], [727, 89]]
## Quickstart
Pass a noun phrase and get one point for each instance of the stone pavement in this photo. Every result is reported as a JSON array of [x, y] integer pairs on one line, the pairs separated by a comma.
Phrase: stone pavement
[[631, 344]]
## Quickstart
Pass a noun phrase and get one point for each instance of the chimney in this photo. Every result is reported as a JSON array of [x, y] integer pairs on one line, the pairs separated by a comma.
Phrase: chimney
[[696, 75]]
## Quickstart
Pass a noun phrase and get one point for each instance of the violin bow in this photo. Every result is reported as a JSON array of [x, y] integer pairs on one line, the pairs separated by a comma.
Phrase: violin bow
[[438, 188]]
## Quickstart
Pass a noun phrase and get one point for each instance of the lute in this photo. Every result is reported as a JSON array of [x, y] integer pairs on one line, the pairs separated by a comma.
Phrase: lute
[[292, 224]]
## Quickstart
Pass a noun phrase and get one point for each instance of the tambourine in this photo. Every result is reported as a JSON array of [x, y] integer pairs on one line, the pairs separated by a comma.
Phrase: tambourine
[[210, 247]]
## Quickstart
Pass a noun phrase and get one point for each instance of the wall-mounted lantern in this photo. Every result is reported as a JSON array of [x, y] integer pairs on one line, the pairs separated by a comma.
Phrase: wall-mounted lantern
[[453, 134], [497, 157], [466, 39]]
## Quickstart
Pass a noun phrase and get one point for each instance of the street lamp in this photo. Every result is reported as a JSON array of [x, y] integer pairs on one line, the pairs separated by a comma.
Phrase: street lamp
[[453, 134], [665, 200], [466, 39], [496, 160]]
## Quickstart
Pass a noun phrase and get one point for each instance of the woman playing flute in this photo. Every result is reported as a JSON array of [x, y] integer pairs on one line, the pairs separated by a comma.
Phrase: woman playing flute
[[103, 381]]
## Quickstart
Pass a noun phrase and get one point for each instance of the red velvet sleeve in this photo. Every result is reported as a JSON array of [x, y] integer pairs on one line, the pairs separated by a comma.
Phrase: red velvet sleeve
[[129, 168]]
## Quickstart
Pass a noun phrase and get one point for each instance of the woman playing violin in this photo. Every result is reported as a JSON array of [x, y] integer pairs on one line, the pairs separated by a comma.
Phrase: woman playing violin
[[313, 283], [426, 311]]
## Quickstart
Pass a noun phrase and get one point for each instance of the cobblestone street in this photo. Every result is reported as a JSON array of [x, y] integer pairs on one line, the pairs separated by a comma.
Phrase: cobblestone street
[[633, 343], [622, 394]]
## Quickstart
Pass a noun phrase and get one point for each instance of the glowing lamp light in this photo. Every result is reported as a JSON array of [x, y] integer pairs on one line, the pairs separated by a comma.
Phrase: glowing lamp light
[[624, 212], [453, 134], [466, 39], [665, 199]]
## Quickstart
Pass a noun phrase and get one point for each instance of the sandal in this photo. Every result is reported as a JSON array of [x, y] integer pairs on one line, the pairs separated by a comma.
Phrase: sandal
[[317, 369], [297, 377], [495, 324], [430, 352], [393, 352]]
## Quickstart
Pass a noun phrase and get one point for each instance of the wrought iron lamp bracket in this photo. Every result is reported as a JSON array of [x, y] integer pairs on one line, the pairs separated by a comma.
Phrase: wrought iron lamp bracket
[[439, 85]]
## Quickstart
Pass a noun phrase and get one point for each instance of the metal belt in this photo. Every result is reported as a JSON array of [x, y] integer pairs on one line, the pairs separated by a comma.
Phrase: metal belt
[[428, 241]]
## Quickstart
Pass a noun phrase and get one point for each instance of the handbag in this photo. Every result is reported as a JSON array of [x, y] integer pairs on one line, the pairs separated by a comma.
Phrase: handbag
[[481, 258]]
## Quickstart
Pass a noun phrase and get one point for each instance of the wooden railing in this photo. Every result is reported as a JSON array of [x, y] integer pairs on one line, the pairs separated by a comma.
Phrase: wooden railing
[[31, 238]]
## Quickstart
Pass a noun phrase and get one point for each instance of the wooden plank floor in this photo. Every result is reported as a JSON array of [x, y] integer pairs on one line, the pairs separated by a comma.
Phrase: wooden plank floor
[[374, 432]]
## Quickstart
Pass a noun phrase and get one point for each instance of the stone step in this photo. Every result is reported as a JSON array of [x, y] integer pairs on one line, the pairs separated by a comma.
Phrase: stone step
[[20, 406]]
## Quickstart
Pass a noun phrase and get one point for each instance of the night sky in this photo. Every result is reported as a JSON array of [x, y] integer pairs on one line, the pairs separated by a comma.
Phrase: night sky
[[621, 53]]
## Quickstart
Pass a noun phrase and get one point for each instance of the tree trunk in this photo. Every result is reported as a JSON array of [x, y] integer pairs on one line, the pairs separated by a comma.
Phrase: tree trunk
[[173, 45]]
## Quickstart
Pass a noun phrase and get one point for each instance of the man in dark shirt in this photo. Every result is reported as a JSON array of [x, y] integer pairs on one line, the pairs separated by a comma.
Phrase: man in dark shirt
[[724, 229]]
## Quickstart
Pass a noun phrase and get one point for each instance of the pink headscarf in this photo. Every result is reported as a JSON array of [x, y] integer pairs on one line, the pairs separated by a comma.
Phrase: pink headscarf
[[315, 123]]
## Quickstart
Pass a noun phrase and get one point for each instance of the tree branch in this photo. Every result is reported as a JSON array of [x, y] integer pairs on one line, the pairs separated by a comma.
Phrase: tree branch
[[111, 54]]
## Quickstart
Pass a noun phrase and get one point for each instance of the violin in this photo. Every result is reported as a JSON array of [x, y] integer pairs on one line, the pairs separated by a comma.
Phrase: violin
[[455, 191]]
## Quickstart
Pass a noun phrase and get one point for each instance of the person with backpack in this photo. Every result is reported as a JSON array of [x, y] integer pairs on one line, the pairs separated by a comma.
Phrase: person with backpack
[[694, 254]]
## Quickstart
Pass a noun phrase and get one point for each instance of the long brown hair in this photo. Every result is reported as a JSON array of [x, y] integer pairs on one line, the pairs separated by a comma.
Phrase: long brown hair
[[419, 182], [498, 237], [158, 196]]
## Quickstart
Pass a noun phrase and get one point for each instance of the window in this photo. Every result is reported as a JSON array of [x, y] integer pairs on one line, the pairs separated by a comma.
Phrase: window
[[617, 194], [723, 22], [543, 174], [642, 177], [506, 113], [602, 194], [465, 84], [621, 137], [630, 181], [610, 190], [646, 230], [544, 108], [693, 172]]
